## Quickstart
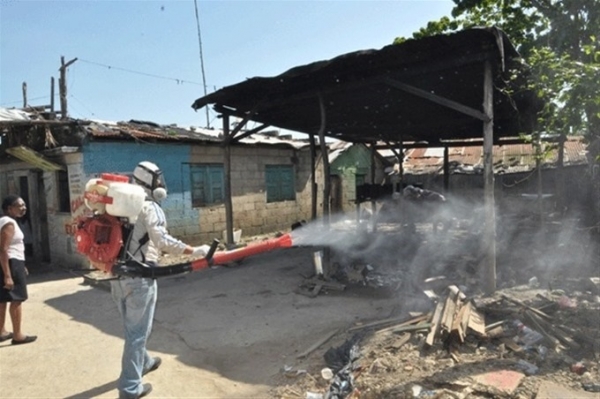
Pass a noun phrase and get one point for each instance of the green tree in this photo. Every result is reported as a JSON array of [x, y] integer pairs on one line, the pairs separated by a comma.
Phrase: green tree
[[558, 40]]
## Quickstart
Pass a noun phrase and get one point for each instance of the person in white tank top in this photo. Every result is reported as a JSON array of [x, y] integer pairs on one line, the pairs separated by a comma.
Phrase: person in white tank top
[[13, 273]]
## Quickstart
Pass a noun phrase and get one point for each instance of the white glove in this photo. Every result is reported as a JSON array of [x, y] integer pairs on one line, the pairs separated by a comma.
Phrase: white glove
[[200, 251]]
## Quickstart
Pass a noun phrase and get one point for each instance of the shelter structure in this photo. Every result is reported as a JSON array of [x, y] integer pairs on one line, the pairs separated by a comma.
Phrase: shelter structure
[[434, 91]]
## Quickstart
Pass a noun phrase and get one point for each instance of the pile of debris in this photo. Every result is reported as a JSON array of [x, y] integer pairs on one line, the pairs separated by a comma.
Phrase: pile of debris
[[523, 342]]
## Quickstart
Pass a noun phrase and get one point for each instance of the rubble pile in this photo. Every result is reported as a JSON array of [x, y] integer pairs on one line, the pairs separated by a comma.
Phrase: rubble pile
[[523, 342]]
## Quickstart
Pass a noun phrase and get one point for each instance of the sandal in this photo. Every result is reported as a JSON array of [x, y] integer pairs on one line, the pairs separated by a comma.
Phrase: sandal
[[6, 337], [28, 339]]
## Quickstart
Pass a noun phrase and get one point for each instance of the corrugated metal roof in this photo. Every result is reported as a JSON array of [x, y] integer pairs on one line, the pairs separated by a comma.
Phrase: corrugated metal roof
[[508, 158], [143, 130], [392, 94]]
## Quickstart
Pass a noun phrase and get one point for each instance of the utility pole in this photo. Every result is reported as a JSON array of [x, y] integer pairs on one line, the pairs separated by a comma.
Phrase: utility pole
[[24, 95], [52, 95], [62, 86]]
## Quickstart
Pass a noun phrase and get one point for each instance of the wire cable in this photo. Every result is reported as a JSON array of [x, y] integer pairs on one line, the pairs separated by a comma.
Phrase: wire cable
[[178, 81]]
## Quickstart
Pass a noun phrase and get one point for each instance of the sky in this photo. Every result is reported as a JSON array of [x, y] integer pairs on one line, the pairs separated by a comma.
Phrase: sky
[[142, 60]]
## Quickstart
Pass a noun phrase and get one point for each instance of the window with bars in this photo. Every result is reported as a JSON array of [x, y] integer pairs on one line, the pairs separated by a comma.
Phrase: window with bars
[[280, 183], [207, 184]]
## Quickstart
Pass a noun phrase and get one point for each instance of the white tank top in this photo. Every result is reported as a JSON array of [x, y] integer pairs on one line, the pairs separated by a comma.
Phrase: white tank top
[[16, 248]]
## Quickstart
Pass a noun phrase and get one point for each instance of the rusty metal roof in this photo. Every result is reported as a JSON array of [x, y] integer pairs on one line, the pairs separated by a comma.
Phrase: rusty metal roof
[[508, 158], [364, 92], [144, 130]]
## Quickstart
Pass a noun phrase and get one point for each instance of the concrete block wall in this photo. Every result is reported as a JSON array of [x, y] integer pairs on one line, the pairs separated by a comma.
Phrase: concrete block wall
[[251, 212]]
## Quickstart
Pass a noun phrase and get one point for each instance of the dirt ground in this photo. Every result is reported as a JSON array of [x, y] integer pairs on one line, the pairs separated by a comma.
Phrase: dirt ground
[[246, 331]]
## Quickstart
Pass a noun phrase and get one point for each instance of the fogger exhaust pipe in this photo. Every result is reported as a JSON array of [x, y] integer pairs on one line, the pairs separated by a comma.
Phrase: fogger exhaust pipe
[[137, 269]]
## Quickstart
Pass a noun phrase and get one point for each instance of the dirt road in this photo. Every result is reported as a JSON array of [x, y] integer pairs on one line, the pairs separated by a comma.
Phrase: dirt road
[[222, 332]]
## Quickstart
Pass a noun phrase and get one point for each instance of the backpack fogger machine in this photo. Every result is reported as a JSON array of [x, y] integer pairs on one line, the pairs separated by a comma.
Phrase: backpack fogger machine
[[104, 235]]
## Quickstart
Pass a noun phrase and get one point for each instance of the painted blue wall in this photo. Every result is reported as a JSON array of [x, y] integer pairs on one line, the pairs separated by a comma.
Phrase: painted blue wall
[[122, 157], [172, 158]]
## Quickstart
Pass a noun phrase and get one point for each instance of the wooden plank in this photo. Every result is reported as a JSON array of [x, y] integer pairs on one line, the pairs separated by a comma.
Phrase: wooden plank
[[403, 339], [456, 323], [317, 345], [448, 314], [391, 320], [418, 327], [435, 323], [520, 303], [477, 322]]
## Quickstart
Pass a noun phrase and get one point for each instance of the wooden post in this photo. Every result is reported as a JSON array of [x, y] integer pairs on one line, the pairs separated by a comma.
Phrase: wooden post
[[313, 178], [373, 202], [538, 169], [62, 86], [401, 165], [52, 94], [227, 170], [326, 171], [560, 175], [24, 94], [489, 233], [446, 169]]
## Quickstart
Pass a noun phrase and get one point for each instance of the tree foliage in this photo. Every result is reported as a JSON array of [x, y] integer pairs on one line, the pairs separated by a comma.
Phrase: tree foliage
[[558, 39]]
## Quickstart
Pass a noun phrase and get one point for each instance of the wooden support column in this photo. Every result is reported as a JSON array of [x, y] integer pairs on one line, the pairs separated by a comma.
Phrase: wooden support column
[[560, 175], [538, 169], [52, 94], [401, 165], [489, 233], [326, 186], [62, 86], [313, 177], [373, 202], [326, 171], [446, 169], [227, 170]]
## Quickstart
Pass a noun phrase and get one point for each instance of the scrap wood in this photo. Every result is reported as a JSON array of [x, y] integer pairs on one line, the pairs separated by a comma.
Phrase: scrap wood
[[332, 285], [494, 325], [523, 304], [418, 327], [448, 313], [435, 323], [556, 334], [537, 326], [318, 344], [311, 293], [406, 326], [391, 320], [404, 338], [477, 322], [287, 389], [459, 325]]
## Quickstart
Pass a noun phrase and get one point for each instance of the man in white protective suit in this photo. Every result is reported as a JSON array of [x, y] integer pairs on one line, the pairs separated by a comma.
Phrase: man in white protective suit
[[136, 296]]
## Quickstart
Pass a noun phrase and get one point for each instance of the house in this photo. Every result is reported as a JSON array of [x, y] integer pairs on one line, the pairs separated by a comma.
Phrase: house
[[270, 177], [351, 168]]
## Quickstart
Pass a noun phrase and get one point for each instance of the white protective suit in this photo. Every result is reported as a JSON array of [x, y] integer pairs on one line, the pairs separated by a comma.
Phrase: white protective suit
[[152, 221]]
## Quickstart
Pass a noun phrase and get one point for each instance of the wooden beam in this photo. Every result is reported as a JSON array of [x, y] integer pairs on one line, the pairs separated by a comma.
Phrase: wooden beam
[[227, 170], [437, 99], [489, 232], [313, 176], [325, 155], [249, 132], [446, 169]]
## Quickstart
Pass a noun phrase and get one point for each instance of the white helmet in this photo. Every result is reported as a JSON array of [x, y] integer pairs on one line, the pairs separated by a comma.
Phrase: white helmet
[[149, 176]]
